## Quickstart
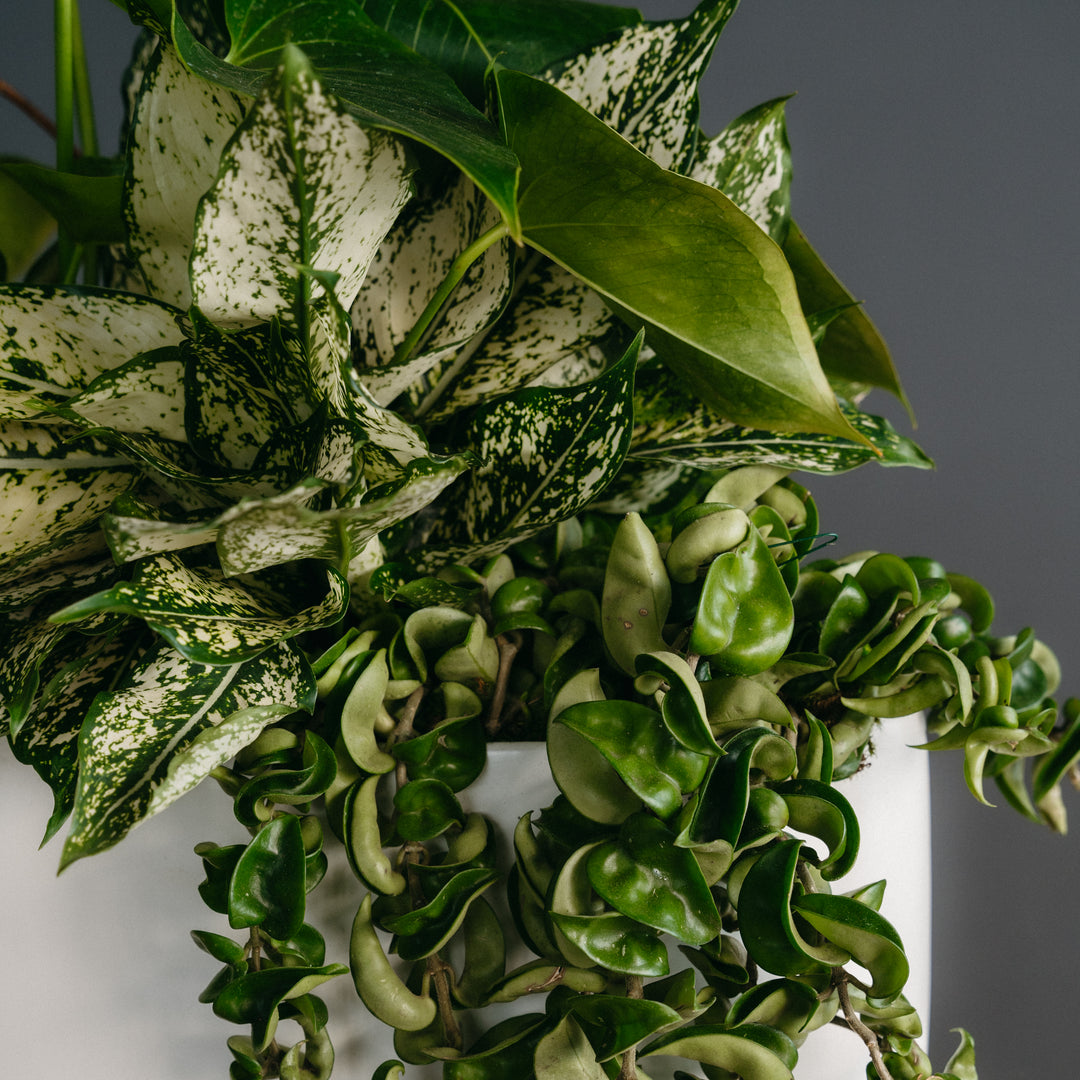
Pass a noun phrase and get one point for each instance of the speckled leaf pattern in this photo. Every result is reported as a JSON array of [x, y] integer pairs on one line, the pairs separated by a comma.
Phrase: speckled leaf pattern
[[132, 734], [409, 264], [274, 532], [237, 389], [672, 428], [181, 125], [144, 395], [69, 566], [750, 162], [730, 446], [214, 620], [71, 677], [54, 342], [557, 332], [52, 489], [643, 82], [301, 185], [545, 453]]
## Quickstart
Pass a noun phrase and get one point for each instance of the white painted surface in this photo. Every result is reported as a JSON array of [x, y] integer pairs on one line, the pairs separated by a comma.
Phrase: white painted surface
[[101, 981]]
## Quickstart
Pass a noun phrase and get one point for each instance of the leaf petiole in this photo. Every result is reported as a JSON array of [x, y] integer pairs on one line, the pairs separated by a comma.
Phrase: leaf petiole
[[458, 268]]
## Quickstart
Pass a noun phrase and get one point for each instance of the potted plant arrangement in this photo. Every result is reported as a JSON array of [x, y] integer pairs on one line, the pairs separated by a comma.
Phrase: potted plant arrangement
[[422, 380]]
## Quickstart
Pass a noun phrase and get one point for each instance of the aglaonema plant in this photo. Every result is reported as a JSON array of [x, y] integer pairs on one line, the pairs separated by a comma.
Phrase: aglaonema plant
[[423, 376]]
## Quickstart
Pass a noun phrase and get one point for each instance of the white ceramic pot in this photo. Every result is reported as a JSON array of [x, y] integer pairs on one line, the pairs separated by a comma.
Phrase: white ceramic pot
[[98, 981]]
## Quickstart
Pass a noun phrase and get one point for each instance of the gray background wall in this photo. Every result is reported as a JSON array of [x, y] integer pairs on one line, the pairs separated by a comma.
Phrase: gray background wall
[[937, 160]]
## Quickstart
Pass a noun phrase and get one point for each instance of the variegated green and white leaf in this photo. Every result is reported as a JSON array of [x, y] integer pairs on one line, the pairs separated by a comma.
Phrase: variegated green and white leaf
[[79, 562], [28, 637], [643, 82], [556, 332], [144, 395], [729, 446], [215, 620], [240, 387], [181, 126], [546, 453], [275, 531], [750, 162], [132, 734], [410, 264], [52, 490], [301, 185], [71, 677], [57, 341], [136, 529]]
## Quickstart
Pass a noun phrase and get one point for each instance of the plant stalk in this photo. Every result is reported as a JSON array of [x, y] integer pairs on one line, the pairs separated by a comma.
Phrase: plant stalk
[[509, 645], [635, 988], [64, 47], [840, 980], [458, 268]]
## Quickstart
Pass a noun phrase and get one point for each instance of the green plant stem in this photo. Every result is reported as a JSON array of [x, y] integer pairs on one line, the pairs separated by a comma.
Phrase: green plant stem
[[458, 268], [64, 66], [84, 98]]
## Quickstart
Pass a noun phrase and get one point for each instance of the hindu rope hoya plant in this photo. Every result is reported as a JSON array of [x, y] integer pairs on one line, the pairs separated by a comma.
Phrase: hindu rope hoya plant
[[420, 376]]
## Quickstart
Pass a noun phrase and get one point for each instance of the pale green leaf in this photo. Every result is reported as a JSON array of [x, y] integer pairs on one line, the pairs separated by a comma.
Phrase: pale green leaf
[[643, 81], [71, 677], [181, 126], [301, 185], [380, 81], [545, 453], [57, 341], [556, 332], [214, 620], [750, 162], [143, 396], [413, 259], [52, 490], [133, 733]]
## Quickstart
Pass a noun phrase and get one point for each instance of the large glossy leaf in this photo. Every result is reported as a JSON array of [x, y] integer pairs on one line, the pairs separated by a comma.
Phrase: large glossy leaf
[[644, 875], [25, 226], [57, 341], [301, 185], [643, 81], [256, 997], [86, 203], [527, 35], [380, 81], [751, 1050], [181, 126], [545, 453], [861, 931], [133, 732], [852, 351], [635, 740], [634, 241], [213, 620]]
